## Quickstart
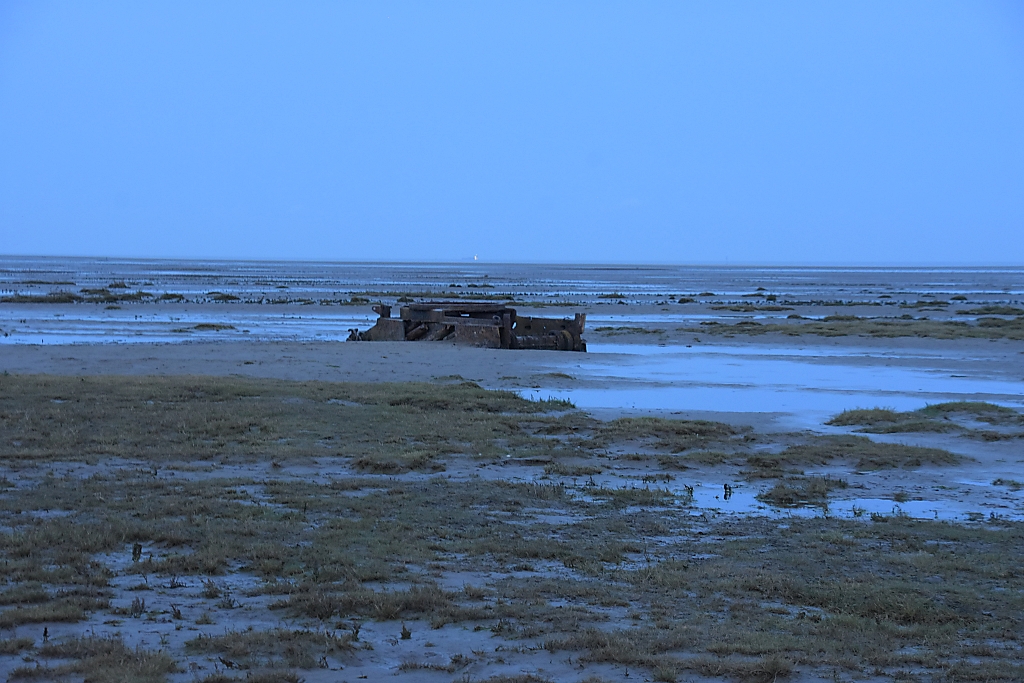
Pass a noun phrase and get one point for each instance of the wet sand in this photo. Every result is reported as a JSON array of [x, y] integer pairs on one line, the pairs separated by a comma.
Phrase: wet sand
[[772, 385], [615, 374]]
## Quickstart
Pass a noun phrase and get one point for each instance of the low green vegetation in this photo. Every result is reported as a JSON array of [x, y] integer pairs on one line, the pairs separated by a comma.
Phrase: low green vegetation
[[992, 310], [865, 416], [312, 509], [205, 327], [860, 451], [839, 326], [251, 649], [94, 295], [565, 469], [798, 491], [611, 331], [973, 419], [49, 298], [812, 593], [748, 308], [99, 659], [933, 305], [13, 646], [184, 419], [979, 409], [674, 436], [857, 451]]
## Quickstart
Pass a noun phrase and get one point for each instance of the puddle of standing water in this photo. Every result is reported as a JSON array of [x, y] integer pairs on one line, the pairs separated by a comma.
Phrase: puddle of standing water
[[710, 498], [599, 348], [741, 379], [945, 510], [28, 326], [790, 369], [733, 496], [806, 387]]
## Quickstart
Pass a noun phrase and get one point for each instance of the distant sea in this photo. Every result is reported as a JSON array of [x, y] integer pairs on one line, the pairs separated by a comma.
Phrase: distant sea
[[124, 300], [23, 274]]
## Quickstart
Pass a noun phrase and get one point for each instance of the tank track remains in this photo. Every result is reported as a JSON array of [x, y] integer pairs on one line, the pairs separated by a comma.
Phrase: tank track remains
[[486, 325]]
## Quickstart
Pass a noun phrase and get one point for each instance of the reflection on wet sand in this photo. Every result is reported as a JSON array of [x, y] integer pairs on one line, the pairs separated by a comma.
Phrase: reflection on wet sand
[[808, 383]]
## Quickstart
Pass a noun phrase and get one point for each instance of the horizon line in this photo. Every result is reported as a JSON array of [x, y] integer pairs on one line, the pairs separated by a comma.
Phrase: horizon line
[[582, 264]]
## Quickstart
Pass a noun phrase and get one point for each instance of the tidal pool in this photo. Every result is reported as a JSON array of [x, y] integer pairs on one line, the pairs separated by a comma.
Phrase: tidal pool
[[30, 326], [810, 385]]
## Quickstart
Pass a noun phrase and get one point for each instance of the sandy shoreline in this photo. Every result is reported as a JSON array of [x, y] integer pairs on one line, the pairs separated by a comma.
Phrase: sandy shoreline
[[610, 385], [622, 376], [397, 361]]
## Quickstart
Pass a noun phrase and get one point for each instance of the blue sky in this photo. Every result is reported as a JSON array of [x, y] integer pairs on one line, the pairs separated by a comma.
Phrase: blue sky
[[648, 132]]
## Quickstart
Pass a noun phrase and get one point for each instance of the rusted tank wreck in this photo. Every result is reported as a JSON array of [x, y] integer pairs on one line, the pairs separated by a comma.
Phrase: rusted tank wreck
[[485, 324]]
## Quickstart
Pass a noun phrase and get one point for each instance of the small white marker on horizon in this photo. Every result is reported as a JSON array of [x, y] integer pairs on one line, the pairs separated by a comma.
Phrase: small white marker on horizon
[[475, 257]]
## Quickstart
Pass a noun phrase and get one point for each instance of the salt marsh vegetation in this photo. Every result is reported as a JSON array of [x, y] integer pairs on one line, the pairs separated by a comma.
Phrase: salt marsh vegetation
[[217, 529], [840, 326], [974, 419]]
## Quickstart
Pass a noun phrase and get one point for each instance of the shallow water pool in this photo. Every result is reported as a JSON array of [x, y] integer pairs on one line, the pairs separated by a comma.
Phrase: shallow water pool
[[810, 385]]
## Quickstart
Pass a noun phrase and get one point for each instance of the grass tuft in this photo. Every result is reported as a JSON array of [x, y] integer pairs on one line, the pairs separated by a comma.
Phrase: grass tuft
[[100, 659], [867, 454], [794, 492], [865, 416]]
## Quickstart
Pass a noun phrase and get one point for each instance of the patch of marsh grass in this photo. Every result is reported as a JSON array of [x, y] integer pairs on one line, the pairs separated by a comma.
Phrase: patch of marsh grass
[[865, 416], [50, 298], [100, 659], [865, 453], [13, 646], [211, 327], [59, 610], [190, 418], [992, 310], [798, 491], [980, 409], [664, 434], [938, 417], [418, 601], [571, 470], [839, 326], [627, 496], [253, 649], [611, 331], [386, 463], [690, 458], [721, 595]]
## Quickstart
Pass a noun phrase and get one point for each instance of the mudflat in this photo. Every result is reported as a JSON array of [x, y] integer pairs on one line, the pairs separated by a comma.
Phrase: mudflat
[[822, 499], [166, 527]]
